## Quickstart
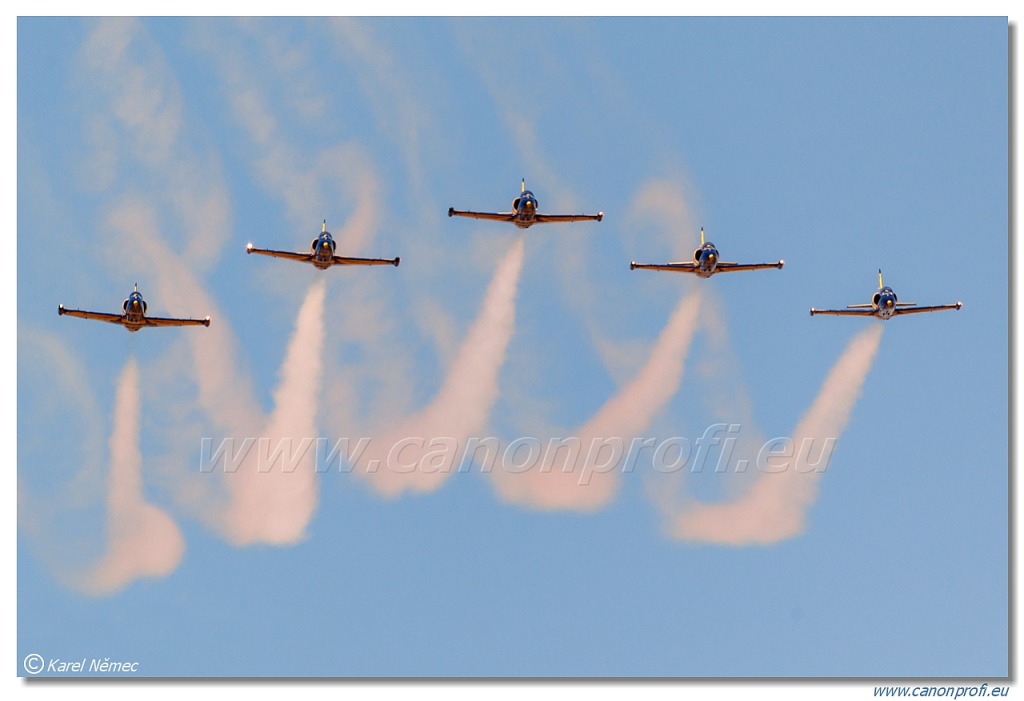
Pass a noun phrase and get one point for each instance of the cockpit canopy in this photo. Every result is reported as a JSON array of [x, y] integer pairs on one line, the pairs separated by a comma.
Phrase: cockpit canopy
[[886, 291], [710, 247], [134, 297], [527, 196], [319, 241]]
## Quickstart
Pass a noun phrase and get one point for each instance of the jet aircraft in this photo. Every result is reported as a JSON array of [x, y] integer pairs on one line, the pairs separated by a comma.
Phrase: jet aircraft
[[321, 253], [134, 316], [524, 212], [706, 262], [884, 305]]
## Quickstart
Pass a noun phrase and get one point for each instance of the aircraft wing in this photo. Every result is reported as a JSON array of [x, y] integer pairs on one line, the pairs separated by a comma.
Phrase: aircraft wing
[[867, 310], [96, 316], [342, 260], [671, 267], [919, 310], [493, 216], [557, 218], [303, 257], [164, 321], [723, 267]]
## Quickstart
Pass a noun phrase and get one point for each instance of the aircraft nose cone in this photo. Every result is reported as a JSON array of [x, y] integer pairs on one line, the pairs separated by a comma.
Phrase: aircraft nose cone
[[888, 302]]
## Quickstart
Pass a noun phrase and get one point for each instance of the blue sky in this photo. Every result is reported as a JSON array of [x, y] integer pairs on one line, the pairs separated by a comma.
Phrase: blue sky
[[153, 150]]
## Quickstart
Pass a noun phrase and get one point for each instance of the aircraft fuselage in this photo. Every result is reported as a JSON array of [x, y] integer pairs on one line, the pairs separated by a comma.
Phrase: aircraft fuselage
[[134, 312], [323, 250], [706, 259], [525, 206], [884, 302]]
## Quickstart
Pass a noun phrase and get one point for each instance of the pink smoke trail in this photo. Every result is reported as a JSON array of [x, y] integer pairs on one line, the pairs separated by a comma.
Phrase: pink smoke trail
[[270, 500], [588, 479], [143, 540], [775, 506], [398, 461]]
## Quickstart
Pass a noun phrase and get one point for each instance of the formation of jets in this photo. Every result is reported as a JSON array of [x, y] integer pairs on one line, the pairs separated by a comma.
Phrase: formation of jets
[[524, 214], [133, 318], [707, 262]]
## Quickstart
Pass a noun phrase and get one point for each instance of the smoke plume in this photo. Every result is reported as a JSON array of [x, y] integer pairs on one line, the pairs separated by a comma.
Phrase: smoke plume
[[776, 504], [273, 493], [418, 454], [585, 475], [143, 541]]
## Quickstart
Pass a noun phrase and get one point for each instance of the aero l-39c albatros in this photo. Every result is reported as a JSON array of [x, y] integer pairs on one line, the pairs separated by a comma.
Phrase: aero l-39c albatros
[[706, 262], [134, 316], [524, 212], [321, 253], [884, 305]]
